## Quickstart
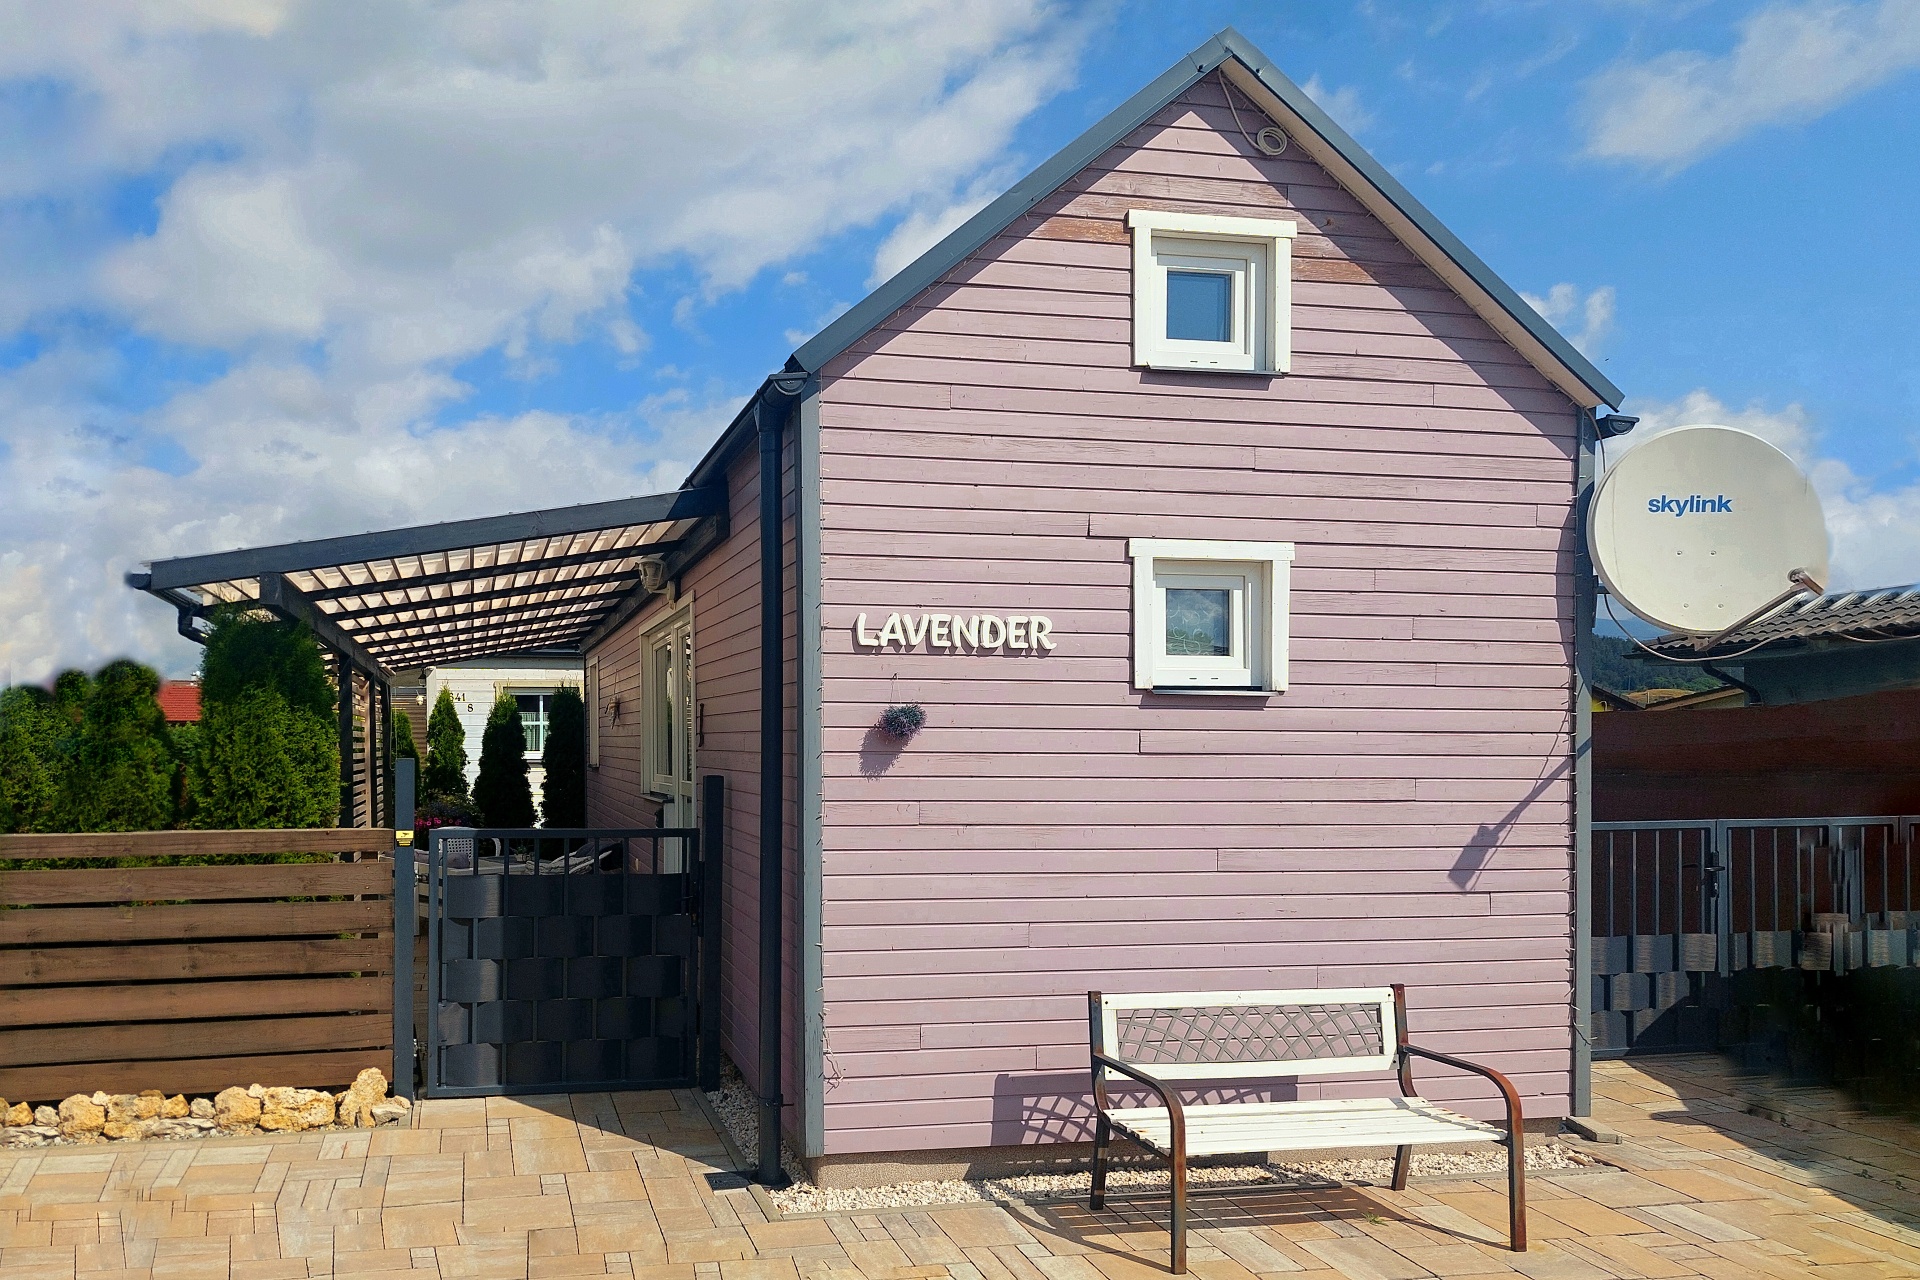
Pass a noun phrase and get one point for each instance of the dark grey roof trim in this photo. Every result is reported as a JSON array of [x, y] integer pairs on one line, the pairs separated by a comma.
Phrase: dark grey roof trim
[[1430, 226], [452, 535], [1036, 186], [983, 226]]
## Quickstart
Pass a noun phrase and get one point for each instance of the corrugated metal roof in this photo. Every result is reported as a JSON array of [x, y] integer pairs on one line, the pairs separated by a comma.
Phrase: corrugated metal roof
[[1887, 613]]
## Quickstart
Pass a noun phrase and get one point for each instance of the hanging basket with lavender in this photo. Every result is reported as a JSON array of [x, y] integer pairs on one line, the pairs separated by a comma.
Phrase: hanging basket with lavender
[[901, 723]]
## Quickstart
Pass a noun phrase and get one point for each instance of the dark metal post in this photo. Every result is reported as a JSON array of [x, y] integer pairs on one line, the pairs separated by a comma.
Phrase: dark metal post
[[343, 686], [404, 928], [772, 802], [713, 822]]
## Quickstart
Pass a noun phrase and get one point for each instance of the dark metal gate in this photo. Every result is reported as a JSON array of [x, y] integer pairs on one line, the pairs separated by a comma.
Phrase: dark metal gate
[[1681, 908], [562, 960]]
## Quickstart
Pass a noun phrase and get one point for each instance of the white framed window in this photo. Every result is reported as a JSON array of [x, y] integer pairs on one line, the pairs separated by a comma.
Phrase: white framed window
[[1210, 615], [1212, 293], [535, 704]]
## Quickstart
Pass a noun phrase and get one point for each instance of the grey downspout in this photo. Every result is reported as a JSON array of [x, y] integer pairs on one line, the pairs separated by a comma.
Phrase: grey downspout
[[807, 710], [771, 412], [1581, 1102]]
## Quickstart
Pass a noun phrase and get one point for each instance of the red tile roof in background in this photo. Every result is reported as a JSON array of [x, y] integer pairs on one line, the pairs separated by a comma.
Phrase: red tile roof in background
[[179, 701]]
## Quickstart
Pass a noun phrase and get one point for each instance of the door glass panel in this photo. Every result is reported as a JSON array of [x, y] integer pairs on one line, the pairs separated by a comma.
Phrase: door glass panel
[[1199, 622], [1199, 306], [663, 725]]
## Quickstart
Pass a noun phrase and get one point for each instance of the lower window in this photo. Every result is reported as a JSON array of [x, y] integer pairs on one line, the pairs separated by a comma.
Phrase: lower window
[[1210, 615]]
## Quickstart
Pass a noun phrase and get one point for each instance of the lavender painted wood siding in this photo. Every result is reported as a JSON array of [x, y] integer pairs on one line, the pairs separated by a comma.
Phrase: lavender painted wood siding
[[724, 590], [1402, 813]]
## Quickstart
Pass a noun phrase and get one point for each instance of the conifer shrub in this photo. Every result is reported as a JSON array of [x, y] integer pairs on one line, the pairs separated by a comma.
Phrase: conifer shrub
[[403, 749], [267, 753], [247, 650], [264, 764], [94, 754], [445, 776], [118, 773], [30, 773], [501, 792], [563, 796]]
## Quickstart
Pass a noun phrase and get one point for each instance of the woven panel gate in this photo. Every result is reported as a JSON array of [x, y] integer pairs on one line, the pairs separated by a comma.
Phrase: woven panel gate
[[560, 960]]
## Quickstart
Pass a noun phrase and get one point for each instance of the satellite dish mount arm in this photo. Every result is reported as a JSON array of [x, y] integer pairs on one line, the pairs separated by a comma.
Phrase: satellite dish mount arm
[[1803, 583]]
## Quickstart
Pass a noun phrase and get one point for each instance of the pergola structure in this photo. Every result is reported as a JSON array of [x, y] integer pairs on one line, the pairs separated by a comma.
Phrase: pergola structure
[[433, 594]]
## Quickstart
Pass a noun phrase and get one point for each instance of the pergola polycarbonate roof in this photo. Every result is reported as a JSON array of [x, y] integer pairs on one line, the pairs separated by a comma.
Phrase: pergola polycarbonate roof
[[439, 593]]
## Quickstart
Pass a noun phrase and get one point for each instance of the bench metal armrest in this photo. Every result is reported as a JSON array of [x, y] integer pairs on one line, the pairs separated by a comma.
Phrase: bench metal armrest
[[1507, 1092], [1176, 1116]]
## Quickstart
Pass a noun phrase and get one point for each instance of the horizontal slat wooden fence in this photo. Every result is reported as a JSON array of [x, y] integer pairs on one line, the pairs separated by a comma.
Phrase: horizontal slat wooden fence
[[190, 978]]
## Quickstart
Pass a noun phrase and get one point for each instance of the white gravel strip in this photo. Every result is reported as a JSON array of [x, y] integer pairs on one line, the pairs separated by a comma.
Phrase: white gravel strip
[[737, 1108]]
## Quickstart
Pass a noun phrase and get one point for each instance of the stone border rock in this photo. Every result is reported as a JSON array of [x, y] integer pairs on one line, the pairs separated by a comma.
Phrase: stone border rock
[[102, 1117]]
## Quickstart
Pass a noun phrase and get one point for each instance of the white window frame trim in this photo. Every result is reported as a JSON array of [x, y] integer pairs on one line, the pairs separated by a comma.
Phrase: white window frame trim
[[1271, 673], [542, 690], [590, 692], [664, 623], [1272, 238]]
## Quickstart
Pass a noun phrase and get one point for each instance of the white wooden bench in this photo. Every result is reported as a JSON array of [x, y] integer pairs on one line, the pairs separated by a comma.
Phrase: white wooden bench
[[1172, 1042]]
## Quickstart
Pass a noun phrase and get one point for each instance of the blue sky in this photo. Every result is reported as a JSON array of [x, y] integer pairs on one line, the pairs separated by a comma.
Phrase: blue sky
[[276, 269]]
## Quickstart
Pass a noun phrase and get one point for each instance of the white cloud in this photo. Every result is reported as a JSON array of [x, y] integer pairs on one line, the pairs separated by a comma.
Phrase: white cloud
[[1343, 104], [1794, 62], [1564, 306], [315, 457], [1875, 532], [929, 224], [352, 199]]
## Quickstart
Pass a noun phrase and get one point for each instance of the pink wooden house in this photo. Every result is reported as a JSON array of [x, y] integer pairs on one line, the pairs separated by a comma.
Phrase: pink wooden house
[[1214, 507], [1213, 502]]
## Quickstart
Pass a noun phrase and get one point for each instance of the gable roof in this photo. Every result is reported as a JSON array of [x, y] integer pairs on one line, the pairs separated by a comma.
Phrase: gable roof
[[1307, 126]]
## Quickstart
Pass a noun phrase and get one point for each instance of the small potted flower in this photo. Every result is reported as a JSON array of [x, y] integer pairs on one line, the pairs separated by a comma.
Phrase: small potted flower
[[902, 722]]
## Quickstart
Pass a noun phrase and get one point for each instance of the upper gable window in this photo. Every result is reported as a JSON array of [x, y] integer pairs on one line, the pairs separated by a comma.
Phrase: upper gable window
[[1211, 293]]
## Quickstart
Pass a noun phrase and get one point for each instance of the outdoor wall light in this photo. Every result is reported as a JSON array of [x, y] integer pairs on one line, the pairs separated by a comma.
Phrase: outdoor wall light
[[1616, 424]]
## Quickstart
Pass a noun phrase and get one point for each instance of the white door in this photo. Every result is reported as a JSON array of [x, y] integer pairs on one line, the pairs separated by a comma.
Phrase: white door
[[670, 737]]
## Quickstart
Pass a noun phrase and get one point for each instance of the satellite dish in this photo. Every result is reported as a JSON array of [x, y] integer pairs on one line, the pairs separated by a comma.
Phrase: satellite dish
[[1702, 529]]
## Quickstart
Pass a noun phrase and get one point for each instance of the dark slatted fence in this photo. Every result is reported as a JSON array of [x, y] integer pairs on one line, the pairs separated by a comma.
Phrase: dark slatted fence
[[164, 972]]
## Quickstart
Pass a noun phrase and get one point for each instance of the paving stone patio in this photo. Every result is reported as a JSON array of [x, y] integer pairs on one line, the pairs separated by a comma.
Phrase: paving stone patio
[[597, 1184]]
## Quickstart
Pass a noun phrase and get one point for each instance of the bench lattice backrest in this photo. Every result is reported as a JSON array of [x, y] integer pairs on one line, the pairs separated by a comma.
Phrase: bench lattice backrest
[[1213, 1035]]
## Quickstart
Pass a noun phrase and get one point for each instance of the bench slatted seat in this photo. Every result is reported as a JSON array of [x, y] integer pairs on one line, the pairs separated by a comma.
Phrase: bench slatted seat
[[1175, 1041]]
